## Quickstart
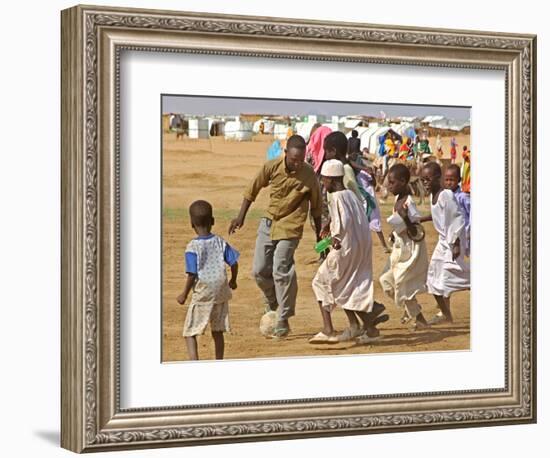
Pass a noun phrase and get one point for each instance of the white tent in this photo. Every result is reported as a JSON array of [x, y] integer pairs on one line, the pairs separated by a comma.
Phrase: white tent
[[304, 129], [432, 118], [374, 124], [269, 125], [402, 128], [280, 131], [352, 123], [395, 127], [360, 131], [365, 134], [451, 124], [238, 130], [199, 128], [219, 126], [409, 118], [317, 118], [332, 126]]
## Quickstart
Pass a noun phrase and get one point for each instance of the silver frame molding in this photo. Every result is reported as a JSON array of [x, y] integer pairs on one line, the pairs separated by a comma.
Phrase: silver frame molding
[[92, 40]]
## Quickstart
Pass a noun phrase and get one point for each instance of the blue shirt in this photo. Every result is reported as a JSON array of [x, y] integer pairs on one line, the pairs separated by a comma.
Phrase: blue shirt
[[230, 256]]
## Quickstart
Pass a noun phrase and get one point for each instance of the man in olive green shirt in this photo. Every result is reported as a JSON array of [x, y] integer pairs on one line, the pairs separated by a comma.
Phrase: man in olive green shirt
[[294, 191]]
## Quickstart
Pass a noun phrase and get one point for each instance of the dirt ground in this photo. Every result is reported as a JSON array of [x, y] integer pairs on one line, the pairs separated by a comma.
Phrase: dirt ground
[[218, 171]]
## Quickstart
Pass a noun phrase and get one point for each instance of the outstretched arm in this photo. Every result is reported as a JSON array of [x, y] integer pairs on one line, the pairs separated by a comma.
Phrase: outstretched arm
[[260, 181], [238, 222]]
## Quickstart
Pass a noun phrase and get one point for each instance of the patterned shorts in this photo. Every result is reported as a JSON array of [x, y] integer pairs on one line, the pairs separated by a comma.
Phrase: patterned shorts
[[199, 315]]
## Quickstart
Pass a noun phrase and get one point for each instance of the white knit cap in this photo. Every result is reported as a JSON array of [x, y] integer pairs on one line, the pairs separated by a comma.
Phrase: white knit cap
[[332, 168]]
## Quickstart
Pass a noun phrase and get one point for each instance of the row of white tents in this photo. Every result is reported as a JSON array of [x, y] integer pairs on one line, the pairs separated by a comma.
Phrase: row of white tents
[[244, 130], [240, 130], [232, 130], [450, 124], [280, 129], [237, 129], [438, 122]]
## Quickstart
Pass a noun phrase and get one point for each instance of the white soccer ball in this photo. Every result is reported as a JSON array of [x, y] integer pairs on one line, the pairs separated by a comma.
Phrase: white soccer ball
[[267, 323]]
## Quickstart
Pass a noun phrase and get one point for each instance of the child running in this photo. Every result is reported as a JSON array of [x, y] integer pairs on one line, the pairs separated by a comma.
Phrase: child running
[[345, 277], [367, 184], [205, 259], [448, 271], [336, 147], [408, 266], [452, 182]]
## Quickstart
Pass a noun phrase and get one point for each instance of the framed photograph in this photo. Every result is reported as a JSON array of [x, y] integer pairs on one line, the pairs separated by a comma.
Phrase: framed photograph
[[277, 228]]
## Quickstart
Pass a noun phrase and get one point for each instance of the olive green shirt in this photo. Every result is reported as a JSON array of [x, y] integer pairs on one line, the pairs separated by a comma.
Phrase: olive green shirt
[[292, 194]]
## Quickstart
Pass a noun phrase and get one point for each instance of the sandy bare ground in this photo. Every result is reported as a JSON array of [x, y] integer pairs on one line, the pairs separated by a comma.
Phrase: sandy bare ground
[[218, 171]]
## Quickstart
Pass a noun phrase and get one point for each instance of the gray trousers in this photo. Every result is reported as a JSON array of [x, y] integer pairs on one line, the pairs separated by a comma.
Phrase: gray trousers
[[274, 270]]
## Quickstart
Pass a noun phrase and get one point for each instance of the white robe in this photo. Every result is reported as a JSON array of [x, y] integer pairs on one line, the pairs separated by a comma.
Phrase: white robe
[[345, 277], [446, 276], [408, 266]]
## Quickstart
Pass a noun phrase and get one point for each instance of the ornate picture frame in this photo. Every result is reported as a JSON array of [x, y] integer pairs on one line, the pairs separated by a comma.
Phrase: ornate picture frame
[[93, 39]]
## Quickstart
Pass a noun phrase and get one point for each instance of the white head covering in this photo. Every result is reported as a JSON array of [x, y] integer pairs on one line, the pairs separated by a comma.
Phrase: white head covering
[[332, 168]]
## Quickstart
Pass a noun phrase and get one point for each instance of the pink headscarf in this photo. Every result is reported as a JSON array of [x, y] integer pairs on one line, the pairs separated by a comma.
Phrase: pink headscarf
[[315, 146]]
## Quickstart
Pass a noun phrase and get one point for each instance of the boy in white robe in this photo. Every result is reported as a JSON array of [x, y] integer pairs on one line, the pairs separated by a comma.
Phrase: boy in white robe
[[345, 277], [448, 271], [405, 277]]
